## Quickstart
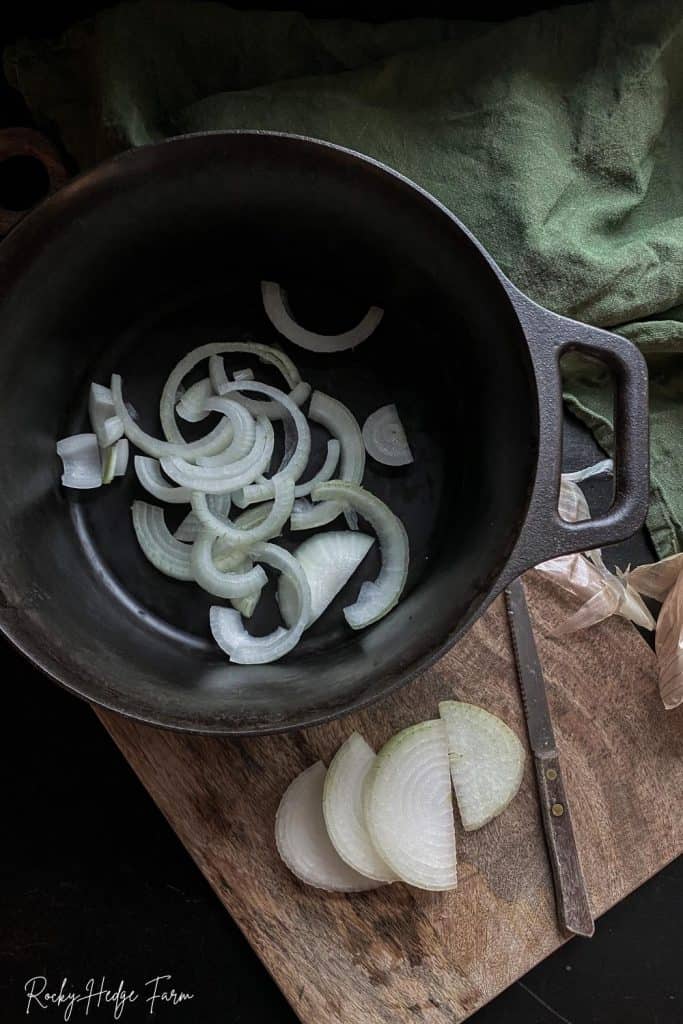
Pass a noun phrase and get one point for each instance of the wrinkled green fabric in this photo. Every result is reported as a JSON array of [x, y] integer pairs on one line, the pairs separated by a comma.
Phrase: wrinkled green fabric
[[557, 138]]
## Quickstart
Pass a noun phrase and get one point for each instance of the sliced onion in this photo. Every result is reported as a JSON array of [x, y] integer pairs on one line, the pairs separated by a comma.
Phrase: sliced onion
[[261, 492], [191, 406], [343, 809], [190, 528], [385, 439], [107, 426], [302, 840], [343, 425], [409, 807], [81, 461], [217, 479], [277, 311], [222, 584], [159, 546], [379, 597], [230, 634], [246, 374], [115, 460], [271, 526], [657, 579], [214, 442], [299, 390], [486, 761], [329, 560], [148, 472], [244, 432], [299, 460]]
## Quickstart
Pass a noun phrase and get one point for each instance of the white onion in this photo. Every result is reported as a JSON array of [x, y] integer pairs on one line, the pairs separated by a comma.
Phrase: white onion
[[115, 460], [148, 472], [302, 840], [343, 425], [329, 560], [275, 305], [166, 554], [191, 406], [409, 807], [244, 432], [107, 426], [190, 528], [385, 439], [81, 461], [486, 761], [222, 584], [246, 374], [379, 597], [230, 634], [299, 460], [217, 479], [299, 390], [261, 492], [344, 812], [270, 526], [214, 442]]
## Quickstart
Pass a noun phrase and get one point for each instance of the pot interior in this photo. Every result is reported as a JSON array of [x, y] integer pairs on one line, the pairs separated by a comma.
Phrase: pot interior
[[157, 252]]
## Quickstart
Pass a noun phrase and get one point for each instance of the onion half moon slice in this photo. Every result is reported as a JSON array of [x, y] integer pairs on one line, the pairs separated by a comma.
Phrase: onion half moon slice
[[81, 461], [343, 809], [486, 761], [298, 394], [329, 560], [218, 479], [222, 584], [277, 311], [379, 597], [302, 840], [270, 526], [190, 528], [385, 439], [261, 492], [104, 421], [409, 807], [244, 432], [230, 634], [115, 460], [343, 425], [159, 546], [148, 472], [191, 406]]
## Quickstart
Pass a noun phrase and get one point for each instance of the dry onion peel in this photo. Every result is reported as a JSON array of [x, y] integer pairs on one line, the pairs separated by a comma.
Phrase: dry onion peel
[[385, 439], [669, 646], [275, 305], [379, 597], [343, 810], [329, 560], [486, 762], [81, 461], [302, 840], [159, 546], [409, 807], [657, 579]]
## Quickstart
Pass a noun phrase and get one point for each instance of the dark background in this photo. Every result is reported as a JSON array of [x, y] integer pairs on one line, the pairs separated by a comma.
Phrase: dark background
[[96, 883]]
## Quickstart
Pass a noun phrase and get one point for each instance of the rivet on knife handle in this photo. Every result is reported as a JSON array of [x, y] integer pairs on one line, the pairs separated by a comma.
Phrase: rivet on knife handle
[[573, 908]]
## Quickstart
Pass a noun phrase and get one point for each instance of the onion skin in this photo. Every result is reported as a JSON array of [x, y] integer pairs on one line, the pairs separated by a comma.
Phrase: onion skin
[[669, 646]]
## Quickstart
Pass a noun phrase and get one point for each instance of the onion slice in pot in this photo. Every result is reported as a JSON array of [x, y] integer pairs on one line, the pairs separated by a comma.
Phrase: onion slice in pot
[[271, 526], [230, 634], [329, 560], [81, 461], [379, 597], [277, 311], [190, 528], [342, 425], [222, 584], [217, 479], [115, 460], [191, 406], [385, 439], [244, 432], [299, 390], [486, 761], [261, 492], [409, 807], [104, 420], [302, 840], [148, 472], [159, 546], [343, 809]]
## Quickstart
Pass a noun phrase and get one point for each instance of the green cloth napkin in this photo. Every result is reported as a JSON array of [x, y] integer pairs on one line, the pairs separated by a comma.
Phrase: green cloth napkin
[[557, 138]]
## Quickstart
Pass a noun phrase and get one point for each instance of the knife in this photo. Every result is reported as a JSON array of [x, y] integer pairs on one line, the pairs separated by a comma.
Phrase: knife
[[573, 909]]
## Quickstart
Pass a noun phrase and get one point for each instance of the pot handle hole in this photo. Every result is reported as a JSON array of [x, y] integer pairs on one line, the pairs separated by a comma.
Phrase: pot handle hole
[[31, 168]]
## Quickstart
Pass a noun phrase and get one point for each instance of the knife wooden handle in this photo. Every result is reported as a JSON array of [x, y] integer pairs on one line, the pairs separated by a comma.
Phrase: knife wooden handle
[[573, 908]]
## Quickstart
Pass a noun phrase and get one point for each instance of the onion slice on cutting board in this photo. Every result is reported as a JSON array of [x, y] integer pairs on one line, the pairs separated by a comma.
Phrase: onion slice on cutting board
[[302, 840], [343, 809], [486, 761], [409, 807]]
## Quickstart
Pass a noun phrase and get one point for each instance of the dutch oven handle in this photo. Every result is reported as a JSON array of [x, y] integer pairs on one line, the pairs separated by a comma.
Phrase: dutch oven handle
[[550, 337], [47, 174]]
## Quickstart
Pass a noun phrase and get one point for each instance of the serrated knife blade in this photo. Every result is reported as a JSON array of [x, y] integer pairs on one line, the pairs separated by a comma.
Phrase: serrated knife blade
[[573, 908]]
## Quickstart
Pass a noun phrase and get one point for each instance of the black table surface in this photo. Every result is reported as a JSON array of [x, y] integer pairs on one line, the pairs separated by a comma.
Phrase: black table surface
[[97, 886]]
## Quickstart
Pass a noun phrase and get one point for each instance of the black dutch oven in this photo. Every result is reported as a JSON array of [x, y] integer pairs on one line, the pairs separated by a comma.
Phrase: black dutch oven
[[132, 264]]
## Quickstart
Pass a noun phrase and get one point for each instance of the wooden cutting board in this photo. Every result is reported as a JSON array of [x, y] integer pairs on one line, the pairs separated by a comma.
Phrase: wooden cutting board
[[397, 954]]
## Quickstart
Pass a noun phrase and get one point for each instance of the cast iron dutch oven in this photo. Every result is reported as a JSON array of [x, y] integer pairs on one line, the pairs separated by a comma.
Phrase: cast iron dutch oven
[[129, 266]]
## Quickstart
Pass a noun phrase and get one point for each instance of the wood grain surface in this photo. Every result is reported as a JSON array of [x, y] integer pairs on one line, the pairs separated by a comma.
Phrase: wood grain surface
[[396, 954]]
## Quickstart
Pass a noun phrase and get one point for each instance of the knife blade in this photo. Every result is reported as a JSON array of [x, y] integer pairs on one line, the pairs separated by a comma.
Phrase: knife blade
[[573, 907]]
